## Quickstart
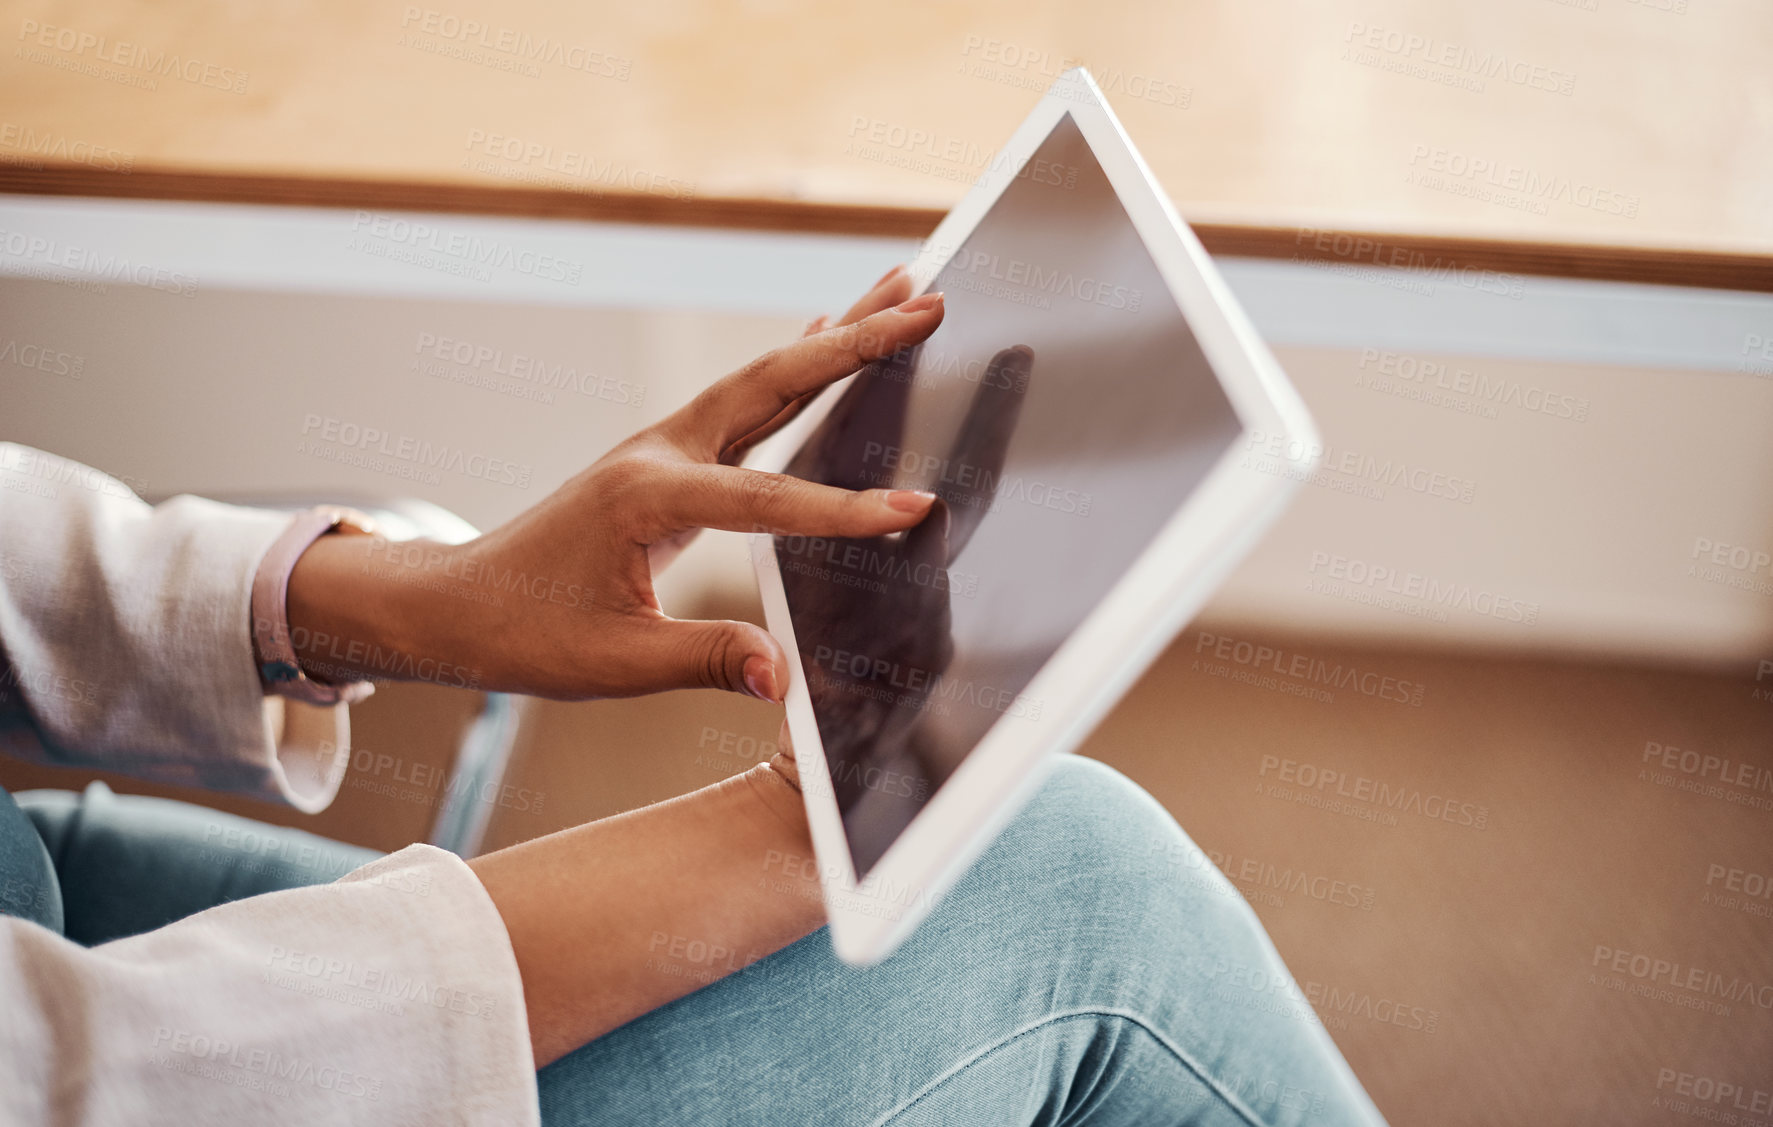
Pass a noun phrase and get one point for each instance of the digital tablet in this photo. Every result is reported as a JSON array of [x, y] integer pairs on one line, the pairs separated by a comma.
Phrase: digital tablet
[[1106, 435]]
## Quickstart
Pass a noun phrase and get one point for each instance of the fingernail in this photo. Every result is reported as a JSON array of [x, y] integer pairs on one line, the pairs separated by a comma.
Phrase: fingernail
[[882, 280], [909, 500], [920, 304], [760, 678]]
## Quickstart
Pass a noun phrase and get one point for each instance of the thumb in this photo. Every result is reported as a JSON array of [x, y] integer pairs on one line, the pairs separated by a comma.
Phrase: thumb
[[671, 653]]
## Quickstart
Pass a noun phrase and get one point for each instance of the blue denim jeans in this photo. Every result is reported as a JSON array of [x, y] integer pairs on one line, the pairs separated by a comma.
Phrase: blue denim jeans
[[1091, 968]]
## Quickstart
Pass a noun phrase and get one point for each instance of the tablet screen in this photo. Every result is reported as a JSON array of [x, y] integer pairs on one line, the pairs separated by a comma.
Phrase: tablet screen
[[1062, 414]]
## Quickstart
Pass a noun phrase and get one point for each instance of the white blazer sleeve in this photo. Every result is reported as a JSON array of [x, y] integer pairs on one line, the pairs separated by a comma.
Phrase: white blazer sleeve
[[389, 997], [126, 640]]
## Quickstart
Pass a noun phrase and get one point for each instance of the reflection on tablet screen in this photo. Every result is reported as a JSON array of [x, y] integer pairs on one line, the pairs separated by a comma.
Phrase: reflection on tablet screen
[[1062, 414]]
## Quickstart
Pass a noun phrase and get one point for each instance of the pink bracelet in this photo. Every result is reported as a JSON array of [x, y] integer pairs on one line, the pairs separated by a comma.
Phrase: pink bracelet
[[279, 671]]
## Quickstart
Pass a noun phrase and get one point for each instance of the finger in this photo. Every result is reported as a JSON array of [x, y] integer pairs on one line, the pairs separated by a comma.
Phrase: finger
[[758, 392], [879, 395], [984, 441], [670, 653], [735, 454], [893, 288], [739, 500], [927, 544], [857, 445]]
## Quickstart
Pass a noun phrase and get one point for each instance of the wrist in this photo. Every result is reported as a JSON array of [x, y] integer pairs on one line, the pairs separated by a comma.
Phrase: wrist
[[777, 793], [276, 640], [353, 613]]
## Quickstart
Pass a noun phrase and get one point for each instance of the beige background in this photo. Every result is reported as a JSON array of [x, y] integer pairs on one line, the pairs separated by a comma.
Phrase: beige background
[[1595, 522], [1277, 117]]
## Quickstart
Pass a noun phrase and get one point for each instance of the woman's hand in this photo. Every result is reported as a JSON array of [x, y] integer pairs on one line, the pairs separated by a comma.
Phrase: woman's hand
[[559, 602]]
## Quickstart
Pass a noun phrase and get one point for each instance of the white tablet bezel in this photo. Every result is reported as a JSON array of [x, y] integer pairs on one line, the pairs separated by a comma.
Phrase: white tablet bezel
[[1195, 550]]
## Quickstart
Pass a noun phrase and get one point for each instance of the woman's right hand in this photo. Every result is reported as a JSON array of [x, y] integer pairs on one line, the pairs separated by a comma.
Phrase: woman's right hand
[[585, 621]]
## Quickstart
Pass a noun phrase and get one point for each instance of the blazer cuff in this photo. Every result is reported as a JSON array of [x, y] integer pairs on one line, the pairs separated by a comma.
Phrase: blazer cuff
[[129, 630]]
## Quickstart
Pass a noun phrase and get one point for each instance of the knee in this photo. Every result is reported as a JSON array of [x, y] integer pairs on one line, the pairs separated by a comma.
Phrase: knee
[[1094, 846], [54, 813], [1090, 818]]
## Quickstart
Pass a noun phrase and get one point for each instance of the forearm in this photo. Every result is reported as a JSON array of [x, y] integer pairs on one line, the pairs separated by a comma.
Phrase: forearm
[[613, 919]]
